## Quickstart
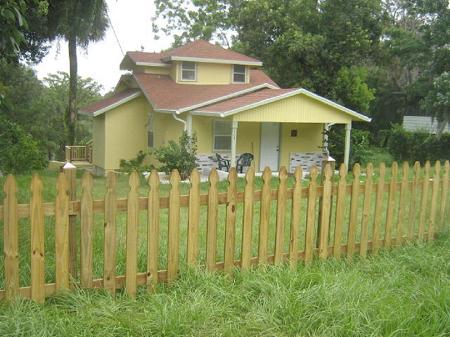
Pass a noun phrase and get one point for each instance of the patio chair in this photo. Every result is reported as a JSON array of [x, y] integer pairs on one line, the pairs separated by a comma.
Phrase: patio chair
[[222, 163], [244, 160]]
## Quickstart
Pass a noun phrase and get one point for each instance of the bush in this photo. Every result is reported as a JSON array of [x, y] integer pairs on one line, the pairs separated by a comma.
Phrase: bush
[[180, 156], [136, 164], [19, 152], [422, 146]]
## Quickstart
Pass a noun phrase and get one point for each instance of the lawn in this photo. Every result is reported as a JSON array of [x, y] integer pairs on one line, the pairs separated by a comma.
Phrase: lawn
[[402, 292]]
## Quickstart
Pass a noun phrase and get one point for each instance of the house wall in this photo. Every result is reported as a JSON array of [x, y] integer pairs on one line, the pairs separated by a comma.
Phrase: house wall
[[98, 141], [207, 73]]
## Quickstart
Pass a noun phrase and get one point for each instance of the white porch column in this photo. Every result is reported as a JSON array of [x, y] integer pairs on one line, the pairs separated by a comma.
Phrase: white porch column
[[189, 124], [348, 130], [234, 128]]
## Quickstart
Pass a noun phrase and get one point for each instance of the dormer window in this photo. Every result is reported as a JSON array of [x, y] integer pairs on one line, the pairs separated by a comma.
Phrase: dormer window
[[188, 71], [238, 73]]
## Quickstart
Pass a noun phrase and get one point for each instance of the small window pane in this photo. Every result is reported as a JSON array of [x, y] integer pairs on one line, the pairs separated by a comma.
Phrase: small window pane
[[188, 75], [239, 77], [238, 73], [188, 66], [222, 143], [222, 128]]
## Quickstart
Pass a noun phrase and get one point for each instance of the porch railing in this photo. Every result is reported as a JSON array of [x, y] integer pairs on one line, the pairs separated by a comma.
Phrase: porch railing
[[79, 153]]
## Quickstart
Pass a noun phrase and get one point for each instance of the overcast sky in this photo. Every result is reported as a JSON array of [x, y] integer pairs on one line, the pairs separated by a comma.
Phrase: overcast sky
[[132, 22]]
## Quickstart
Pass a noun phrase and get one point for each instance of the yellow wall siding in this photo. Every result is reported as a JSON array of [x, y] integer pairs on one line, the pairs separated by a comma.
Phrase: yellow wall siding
[[157, 70], [249, 139], [298, 108], [126, 131], [98, 141], [207, 73], [165, 128], [309, 139], [203, 128]]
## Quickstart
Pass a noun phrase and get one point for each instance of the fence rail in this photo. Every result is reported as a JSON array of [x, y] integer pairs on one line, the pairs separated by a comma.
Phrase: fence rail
[[78, 153], [332, 217]]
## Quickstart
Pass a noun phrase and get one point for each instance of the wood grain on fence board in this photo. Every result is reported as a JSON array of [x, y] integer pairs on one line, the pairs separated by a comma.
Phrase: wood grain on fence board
[[402, 204], [211, 229], [444, 194], [281, 215], [153, 228], [354, 206], [62, 233], [391, 205], [413, 202], [11, 239], [110, 230], [264, 219], [132, 235], [325, 212], [173, 236], [247, 221], [86, 226], [434, 196], [311, 215], [424, 200], [37, 241], [295, 217], [378, 209], [193, 219], [340, 210], [71, 175], [366, 210], [230, 225]]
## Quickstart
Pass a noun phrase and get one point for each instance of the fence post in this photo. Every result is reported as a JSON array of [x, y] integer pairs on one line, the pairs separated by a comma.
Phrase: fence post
[[424, 200], [132, 235], [194, 218], [211, 230], [295, 217], [413, 202], [353, 211], [153, 231], [340, 210], [444, 193], [86, 231], [264, 215], [62, 238], [70, 171], [247, 221], [173, 233], [110, 246], [311, 215], [402, 201], [281, 216], [325, 212], [434, 195], [391, 205], [366, 210], [230, 227]]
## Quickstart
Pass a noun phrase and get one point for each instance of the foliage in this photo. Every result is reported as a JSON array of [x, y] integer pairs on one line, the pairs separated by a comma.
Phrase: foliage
[[180, 156], [136, 164], [19, 153], [422, 146], [437, 102], [360, 149]]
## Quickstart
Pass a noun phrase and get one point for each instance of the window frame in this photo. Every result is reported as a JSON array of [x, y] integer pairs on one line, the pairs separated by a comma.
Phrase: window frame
[[239, 73], [194, 70], [221, 135]]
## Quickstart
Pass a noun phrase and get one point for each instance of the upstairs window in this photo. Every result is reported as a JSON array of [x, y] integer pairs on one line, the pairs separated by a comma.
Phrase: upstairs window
[[222, 135], [188, 71], [238, 73]]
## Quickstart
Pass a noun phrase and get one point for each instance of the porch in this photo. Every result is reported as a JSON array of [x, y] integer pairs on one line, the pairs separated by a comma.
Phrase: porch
[[79, 155]]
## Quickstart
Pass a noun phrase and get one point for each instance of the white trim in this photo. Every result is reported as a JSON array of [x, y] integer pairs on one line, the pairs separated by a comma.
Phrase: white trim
[[116, 104], [181, 79], [289, 94], [211, 60], [232, 74], [153, 64]]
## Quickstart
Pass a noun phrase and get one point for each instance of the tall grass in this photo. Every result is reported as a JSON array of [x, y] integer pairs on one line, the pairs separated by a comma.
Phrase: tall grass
[[402, 292]]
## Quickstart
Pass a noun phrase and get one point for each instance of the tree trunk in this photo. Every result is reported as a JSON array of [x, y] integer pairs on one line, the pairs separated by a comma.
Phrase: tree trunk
[[71, 116]]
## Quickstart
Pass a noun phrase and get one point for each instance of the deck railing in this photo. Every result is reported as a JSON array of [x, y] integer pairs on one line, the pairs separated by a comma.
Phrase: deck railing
[[79, 153]]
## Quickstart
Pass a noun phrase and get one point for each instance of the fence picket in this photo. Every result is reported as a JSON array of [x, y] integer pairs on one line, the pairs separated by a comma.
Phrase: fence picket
[[62, 233], [86, 225], [434, 195], [37, 241], [11, 239], [194, 218], [173, 252], [402, 204], [153, 231], [444, 193], [246, 250], [110, 229], [413, 202], [325, 212], [132, 237], [424, 200], [340, 210], [391, 205], [264, 215], [311, 215], [230, 227], [281, 216], [353, 211], [366, 210], [378, 209], [295, 217], [211, 230]]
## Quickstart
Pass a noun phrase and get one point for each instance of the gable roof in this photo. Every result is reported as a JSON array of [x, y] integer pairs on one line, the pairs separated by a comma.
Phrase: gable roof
[[111, 102]]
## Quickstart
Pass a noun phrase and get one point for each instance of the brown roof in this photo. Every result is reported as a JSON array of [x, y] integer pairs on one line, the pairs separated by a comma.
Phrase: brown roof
[[117, 97], [244, 100], [164, 93], [140, 56]]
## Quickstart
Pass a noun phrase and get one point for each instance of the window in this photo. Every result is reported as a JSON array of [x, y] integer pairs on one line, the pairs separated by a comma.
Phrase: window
[[188, 71], [222, 135], [238, 73]]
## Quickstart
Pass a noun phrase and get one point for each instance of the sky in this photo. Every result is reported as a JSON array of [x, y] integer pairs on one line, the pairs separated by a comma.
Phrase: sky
[[131, 20]]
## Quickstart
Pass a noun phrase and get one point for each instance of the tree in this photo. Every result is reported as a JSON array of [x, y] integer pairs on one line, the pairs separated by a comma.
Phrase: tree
[[79, 22], [437, 102]]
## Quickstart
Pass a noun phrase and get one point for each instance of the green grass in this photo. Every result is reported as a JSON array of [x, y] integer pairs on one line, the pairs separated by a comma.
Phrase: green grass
[[402, 292]]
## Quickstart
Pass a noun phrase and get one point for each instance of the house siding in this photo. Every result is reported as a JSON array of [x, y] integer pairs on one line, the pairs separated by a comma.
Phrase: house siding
[[98, 141], [208, 73]]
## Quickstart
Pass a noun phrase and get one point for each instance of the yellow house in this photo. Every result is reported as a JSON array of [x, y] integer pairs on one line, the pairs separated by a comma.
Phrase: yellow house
[[224, 98]]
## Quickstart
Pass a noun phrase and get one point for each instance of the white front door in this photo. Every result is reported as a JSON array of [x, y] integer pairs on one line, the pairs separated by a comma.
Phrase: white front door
[[270, 146]]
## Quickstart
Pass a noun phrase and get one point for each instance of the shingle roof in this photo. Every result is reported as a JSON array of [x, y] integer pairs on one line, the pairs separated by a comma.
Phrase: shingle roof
[[109, 101]]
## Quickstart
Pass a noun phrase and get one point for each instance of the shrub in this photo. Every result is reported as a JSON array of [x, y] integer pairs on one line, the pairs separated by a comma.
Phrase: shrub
[[136, 164], [422, 146], [180, 156], [19, 152]]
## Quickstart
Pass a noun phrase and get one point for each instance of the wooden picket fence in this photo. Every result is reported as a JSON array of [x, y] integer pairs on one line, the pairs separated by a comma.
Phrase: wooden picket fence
[[407, 197]]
